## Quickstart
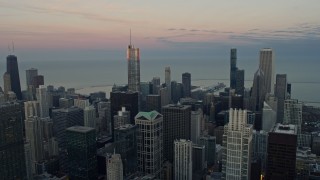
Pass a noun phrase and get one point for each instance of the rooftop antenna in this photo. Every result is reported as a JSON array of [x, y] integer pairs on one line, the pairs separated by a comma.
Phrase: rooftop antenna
[[12, 47], [9, 48], [130, 36]]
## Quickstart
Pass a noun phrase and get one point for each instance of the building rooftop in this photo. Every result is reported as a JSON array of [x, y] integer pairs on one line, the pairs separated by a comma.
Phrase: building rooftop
[[285, 129], [81, 129], [125, 126], [176, 106], [152, 115]]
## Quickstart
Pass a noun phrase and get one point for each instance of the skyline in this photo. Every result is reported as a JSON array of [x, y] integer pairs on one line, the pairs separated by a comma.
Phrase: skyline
[[170, 30]]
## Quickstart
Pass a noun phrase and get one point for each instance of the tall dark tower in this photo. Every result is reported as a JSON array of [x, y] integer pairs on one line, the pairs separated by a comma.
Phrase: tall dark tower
[[186, 83], [13, 70], [233, 68], [133, 57]]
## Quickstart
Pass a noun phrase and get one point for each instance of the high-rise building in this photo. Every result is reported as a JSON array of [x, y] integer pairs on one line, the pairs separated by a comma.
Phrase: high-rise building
[[293, 115], [168, 81], [267, 67], [281, 94], [198, 158], [155, 85], [210, 146], [42, 97], [196, 117], [163, 92], [182, 159], [81, 103], [176, 125], [258, 92], [65, 102], [233, 68], [63, 119], [34, 134], [259, 147], [81, 150], [6, 83], [122, 118], [239, 82], [114, 167], [176, 91], [30, 74], [153, 103], [13, 70], [269, 117], [28, 160], [237, 142], [133, 57], [150, 142], [31, 108], [281, 151], [89, 117], [38, 81], [12, 159], [186, 83]]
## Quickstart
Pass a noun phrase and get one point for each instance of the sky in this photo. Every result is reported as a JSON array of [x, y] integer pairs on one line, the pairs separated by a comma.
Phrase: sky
[[99, 29]]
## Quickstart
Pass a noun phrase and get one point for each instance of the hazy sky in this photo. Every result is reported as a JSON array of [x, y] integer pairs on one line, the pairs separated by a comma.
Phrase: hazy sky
[[179, 28]]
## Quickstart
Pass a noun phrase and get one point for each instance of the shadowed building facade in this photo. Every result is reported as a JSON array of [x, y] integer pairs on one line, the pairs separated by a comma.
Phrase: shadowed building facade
[[13, 70]]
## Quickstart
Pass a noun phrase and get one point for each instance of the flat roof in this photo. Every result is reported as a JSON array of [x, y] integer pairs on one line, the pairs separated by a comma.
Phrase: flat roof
[[285, 129], [81, 129]]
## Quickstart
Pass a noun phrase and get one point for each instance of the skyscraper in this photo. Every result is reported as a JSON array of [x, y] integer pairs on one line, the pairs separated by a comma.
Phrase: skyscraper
[[34, 134], [150, 142], [186, 83], [258, 92], [267, 67], [155, 85], [281, 94], [233, 68], [12, 159], [115, 167], [239, 82], [81, 103], [293, 115], [281, 152], [176, 125], [89, 117], [38, 81], [81, 148], [182, 159], [168, 81], [30, 74], [237, 142], [13, 70], [133, 57], [196, 117], [42, 97], [6, 83], [210, 148]]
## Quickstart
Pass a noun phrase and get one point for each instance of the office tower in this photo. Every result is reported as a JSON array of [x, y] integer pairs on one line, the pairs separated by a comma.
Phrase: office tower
[[126, 145], [30, 74], [65, 102], [144, 91], [168, 81], [129, 100], [269, 117], [210, 146], [293, 115], [176, 125], [42, 97], [259, 147], [196, 117], [267, 67], [12, 159], [13, 70], [167, 171], [63, 119], [81, 103], [31, 108], [81, 142], [28, 160], [281, 151], [258, 91], [122, 118], [89, 115], [34, 134], [155, 85], [237, 142], [182, 159], [6, 83], [281, 94], [115, 167], [150, 142], [163, 92], [186, 83], [233, 68], [104, 111], [133, 57], [153, 103], [38, 81], [239, 82], [198, 158]]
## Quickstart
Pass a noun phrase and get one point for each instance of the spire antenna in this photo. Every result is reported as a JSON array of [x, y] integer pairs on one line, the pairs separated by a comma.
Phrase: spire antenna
[[130, 36]]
